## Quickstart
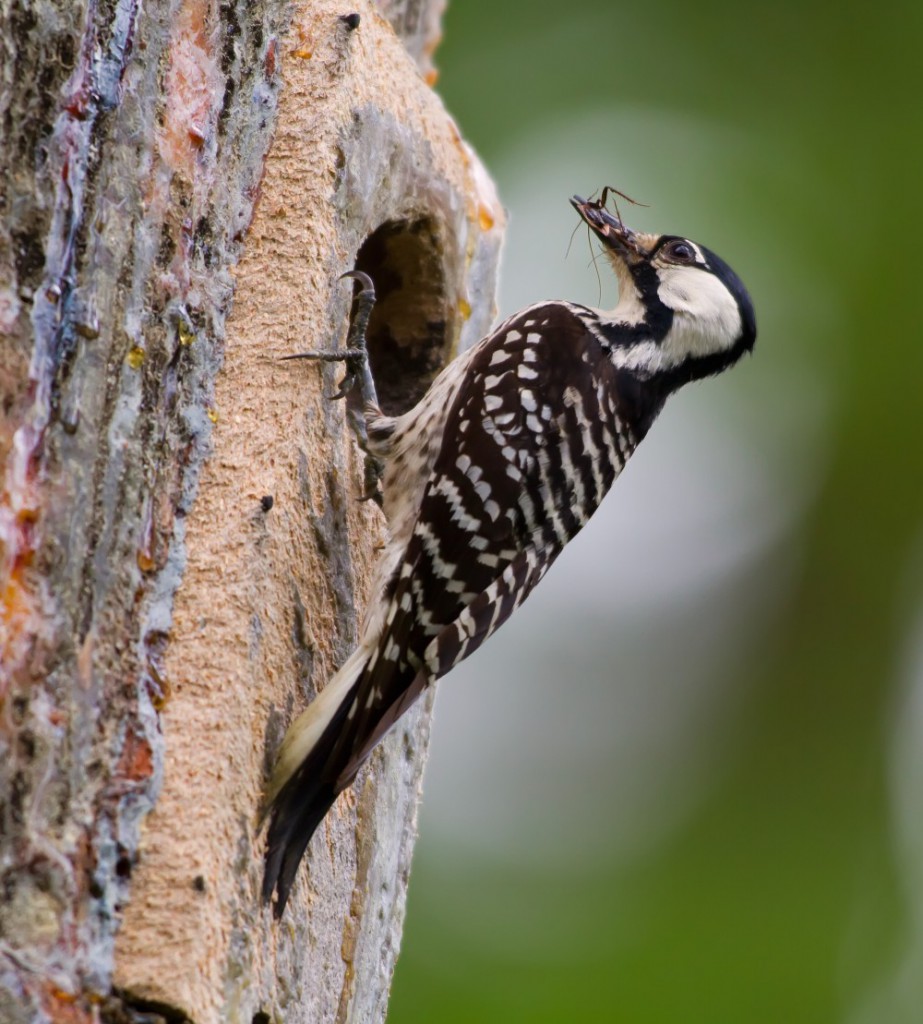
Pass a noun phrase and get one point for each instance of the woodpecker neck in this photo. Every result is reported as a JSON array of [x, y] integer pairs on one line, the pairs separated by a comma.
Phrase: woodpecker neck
[[639, 315], [640, 402], [642, 390]]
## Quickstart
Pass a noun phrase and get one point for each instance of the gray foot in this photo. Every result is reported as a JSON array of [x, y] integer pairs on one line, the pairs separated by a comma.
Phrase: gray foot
[[358, 374]]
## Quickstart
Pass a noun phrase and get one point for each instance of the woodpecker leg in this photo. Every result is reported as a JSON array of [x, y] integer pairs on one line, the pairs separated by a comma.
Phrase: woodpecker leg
[[358, 372]]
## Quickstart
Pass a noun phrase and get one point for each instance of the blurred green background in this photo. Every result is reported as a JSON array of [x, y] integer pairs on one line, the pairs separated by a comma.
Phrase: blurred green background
[[686, 782]]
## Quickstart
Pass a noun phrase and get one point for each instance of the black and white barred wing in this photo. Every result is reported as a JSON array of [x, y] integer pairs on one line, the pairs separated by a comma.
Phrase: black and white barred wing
[[531, 445]]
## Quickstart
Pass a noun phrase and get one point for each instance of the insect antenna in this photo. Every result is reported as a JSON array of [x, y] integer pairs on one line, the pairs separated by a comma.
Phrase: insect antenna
[[603, 199]]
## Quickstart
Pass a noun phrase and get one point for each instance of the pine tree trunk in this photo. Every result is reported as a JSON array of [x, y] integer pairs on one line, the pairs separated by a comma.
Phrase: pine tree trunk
[[183, 561]]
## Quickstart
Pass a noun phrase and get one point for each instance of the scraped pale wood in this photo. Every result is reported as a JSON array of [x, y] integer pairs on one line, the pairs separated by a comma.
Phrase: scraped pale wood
[[161, 625]]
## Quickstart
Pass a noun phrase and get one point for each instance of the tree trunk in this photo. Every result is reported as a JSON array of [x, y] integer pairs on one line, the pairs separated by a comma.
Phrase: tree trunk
[[182, 184]]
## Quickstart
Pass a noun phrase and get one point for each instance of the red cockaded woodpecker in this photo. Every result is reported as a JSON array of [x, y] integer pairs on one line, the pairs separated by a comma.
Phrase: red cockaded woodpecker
[[488, 477]]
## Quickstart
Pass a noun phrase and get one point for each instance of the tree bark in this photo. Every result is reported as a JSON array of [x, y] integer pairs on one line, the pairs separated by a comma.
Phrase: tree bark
[[183, 182]]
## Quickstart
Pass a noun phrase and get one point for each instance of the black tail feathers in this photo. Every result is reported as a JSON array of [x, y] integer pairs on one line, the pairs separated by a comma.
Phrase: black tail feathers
[[300, 806], [296, 813]]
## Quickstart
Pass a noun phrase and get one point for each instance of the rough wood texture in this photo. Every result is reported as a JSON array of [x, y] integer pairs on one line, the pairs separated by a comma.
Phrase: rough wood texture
[[159, 626]]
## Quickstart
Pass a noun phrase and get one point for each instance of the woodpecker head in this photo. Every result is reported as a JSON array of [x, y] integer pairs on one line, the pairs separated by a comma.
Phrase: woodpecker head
[[682, 312]]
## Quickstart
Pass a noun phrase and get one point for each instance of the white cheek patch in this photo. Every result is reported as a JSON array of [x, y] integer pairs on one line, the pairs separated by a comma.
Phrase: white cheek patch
[[706, 319]]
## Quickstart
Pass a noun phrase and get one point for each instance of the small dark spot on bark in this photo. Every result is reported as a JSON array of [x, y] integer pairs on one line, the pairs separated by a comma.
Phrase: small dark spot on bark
[[229, 17], [351, 21], [321, 541], [28, 254], [167, 249], [256, 27], [22, 20], [66, 52], [261, 1017], [339, 163], [123, 866], [18, 790], [96, 890], [20, 706], [198, 883], [266, 502], [27, 744], [204, 241], [230, 91], [228, 50]]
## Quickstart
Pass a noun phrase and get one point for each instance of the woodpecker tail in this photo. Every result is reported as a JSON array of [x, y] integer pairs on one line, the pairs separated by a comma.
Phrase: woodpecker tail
[[303, 788]]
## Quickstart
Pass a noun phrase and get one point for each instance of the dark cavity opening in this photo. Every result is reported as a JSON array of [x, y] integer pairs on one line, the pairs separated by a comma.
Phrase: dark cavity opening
[[407, 338]]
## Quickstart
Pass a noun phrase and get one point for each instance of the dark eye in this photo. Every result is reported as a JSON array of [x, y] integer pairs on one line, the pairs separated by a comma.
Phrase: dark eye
[[682, 252]]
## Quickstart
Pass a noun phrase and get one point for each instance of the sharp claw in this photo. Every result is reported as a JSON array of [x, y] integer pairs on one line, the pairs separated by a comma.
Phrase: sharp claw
[[358, 372], [328, 357], [368, 286], [375, 496]]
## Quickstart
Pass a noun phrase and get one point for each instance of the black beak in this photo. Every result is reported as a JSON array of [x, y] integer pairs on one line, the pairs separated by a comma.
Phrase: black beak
[[610, 230]]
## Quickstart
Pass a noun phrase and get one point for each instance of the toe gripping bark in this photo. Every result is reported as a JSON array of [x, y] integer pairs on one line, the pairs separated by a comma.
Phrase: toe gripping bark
[[358, 372]]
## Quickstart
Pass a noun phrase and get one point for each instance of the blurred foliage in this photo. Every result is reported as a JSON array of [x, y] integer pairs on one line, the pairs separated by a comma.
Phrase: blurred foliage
[[780, 899]]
